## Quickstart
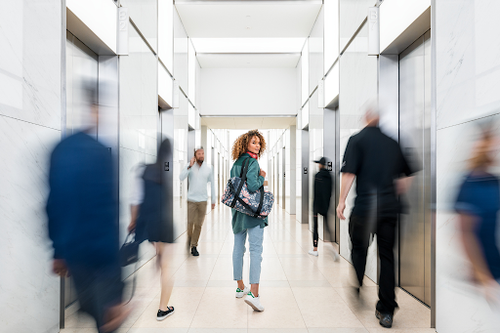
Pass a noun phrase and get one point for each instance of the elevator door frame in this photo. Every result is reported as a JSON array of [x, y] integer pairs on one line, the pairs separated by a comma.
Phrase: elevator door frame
[[406, 281]]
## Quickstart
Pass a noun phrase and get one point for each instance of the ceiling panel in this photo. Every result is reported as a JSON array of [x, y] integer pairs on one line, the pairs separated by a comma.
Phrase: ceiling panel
[[248, 123], [248, 60], [248, 45], [248, 19]]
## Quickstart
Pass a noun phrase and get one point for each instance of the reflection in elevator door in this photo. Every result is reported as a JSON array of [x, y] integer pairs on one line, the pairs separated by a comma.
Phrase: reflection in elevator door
[[414, 131], [82, 68]]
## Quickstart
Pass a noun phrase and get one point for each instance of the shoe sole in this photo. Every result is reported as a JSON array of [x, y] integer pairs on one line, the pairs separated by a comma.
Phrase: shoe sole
[[165, 317], [253, 306]]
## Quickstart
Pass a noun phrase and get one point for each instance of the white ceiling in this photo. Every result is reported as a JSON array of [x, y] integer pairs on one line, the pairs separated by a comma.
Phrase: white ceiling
[[248, 123], [248, 19], [262, 29], [211, 60]]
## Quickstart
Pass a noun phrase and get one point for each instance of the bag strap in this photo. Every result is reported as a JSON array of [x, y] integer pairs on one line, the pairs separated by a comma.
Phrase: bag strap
[[257, 213], [243, 177], [134, 281]]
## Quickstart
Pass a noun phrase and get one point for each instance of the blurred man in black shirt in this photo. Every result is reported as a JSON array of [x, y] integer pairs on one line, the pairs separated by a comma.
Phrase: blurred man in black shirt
[[377, 164]]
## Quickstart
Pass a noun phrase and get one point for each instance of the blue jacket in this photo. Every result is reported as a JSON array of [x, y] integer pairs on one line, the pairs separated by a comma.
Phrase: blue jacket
[[82, 206]]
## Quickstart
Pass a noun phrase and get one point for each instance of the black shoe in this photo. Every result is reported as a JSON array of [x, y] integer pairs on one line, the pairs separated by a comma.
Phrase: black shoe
[[164, 314], [385, 319], [194, 251]]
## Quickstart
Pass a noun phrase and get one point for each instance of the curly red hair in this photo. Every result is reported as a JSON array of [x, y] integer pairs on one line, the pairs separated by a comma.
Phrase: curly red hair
[[241, 144]]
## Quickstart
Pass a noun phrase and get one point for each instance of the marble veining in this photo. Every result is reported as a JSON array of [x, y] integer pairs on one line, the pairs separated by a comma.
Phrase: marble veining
[[25, 252]]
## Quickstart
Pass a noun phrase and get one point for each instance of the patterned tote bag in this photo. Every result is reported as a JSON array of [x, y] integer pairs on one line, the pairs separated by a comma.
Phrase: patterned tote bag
[[257, 204]]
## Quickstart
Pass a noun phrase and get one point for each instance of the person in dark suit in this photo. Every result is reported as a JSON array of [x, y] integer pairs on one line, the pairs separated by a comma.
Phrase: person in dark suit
[[82, 215], [321, 204]]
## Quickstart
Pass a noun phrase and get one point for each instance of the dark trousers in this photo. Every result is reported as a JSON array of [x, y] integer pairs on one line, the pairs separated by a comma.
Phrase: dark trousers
[[385, 229], [315, 228], [98, 289]]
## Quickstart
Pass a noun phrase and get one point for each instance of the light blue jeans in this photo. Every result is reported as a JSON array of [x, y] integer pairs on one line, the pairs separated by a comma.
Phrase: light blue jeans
[[255, 240]]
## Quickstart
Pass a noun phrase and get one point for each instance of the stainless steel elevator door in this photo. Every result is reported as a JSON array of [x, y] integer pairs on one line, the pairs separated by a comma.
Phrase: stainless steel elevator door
[[414, 132], [82, 72]]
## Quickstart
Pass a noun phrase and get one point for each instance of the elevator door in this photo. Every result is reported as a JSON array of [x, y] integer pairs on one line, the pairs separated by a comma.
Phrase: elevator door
[[82, 71], [414, 133]]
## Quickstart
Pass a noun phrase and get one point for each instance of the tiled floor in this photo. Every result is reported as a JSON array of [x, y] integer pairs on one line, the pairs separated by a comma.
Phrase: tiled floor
[[301, 293]]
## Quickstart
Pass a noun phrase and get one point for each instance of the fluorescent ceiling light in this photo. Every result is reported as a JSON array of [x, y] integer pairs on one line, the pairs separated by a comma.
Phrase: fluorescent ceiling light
[[248, 45]]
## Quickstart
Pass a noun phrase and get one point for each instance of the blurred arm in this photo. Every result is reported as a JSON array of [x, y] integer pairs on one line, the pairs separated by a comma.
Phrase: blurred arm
[[345, 187], [472, 248], [185, 172], [403, 185]]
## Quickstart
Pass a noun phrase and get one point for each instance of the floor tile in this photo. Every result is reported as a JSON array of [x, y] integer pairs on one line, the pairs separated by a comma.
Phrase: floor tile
[[300, 293]]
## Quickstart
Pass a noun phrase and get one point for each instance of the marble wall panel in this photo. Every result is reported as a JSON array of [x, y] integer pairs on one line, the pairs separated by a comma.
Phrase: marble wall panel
[[358, 84], [144, 13], [30, 61], [352, 14], [457, 296], [316, 52], [131, 93], [30, 123], [149, 107], [25, 251], [467, 60], [180, 53]]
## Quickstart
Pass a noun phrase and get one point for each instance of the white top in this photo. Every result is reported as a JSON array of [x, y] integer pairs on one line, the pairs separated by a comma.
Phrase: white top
[[137, 191], [198, 177]]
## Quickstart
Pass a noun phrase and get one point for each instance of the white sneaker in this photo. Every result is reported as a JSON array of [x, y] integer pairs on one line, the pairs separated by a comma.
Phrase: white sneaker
[[334, 253], [240, 293], [254, 302], [313, 253]]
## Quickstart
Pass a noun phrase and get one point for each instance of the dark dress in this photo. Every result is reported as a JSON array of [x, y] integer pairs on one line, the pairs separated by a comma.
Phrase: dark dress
[[154, 223]]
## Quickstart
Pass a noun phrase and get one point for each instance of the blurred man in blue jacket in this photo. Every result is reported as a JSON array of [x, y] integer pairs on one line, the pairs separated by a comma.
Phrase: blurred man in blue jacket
[[83, 223]]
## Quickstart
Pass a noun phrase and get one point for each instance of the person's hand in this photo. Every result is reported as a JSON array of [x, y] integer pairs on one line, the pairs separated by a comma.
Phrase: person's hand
[[59, 267], [192, 162], [131, 226], [262, 173], [340, 210], [213, 206]]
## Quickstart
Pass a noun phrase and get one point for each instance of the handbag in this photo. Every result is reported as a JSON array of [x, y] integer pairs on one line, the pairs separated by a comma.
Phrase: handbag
[[256, 204], [129, 252]]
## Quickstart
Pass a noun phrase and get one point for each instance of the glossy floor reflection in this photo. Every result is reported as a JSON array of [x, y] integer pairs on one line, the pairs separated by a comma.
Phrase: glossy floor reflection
[[301, 293]]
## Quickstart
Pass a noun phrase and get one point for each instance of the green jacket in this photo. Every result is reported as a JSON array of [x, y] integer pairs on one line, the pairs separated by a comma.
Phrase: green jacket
[[254, 182]]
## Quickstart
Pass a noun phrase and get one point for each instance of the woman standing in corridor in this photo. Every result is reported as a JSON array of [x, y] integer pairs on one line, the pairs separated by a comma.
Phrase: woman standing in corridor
[[250, 145]]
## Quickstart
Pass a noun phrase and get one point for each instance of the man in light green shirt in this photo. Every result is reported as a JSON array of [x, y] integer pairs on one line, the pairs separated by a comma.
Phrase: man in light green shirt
[[199, 174]]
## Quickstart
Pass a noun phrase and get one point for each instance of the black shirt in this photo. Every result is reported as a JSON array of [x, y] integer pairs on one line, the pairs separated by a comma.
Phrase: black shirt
[[322, 192], [377, 161]]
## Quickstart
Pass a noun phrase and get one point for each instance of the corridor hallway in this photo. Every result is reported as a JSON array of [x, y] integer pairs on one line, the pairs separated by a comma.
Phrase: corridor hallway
[[300, 293]]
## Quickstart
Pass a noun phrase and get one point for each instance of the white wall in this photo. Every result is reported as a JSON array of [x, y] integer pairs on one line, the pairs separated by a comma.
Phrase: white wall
[[250, 91], [467, 85], [30, 125]]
